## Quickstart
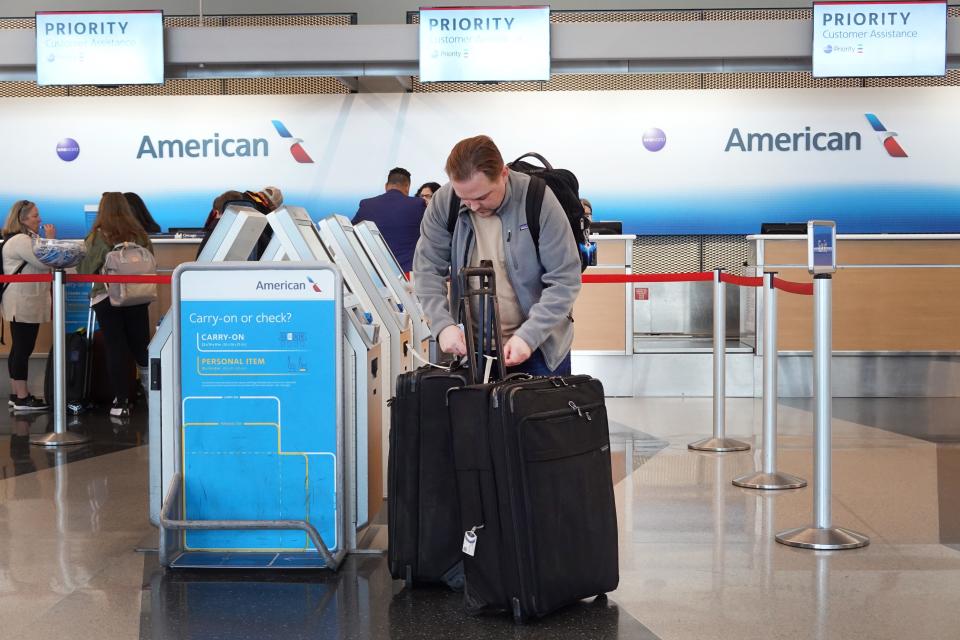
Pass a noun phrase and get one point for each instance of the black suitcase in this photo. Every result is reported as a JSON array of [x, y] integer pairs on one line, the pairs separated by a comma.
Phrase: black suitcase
[[422, 509], [536, 494], [77, 361]]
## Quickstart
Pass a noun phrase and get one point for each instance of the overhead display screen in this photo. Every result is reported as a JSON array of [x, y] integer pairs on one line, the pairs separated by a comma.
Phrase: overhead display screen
[[484, 44], [866, 39], [99, 47]]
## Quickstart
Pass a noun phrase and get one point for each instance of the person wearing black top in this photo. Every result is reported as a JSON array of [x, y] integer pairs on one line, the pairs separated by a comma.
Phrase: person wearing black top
[[141, 213]]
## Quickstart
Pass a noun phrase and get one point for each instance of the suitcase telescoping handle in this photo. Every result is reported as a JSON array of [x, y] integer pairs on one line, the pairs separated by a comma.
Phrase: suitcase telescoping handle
[[487, 340]]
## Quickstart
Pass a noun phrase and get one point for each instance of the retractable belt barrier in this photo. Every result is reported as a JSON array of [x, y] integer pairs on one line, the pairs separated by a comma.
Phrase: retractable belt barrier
[[144, 279], [78, 277], [718, 443], [28, 277], [799, 288]]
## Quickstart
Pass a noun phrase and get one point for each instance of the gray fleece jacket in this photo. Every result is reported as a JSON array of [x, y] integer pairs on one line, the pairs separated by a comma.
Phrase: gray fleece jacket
[[546, 288]]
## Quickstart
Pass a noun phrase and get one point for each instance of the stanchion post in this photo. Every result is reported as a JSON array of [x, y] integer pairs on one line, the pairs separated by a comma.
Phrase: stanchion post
[[719, 442], [60, 435], [769, 477], [822, 534]]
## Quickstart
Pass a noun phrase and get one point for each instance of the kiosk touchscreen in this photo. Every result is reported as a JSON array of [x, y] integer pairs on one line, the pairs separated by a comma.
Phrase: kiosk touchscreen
[[340, 239], [367, 349], [389, 269], [234, 238]]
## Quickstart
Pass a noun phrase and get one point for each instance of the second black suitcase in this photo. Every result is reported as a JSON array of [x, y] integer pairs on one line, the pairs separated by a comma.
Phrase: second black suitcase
[[536, 493], [422, 508]]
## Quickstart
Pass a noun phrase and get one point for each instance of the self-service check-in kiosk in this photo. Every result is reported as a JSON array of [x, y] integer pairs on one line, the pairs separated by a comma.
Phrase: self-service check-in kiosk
[[340, 238], [365, 388], [389, 269], [366, 358], [234, 238]]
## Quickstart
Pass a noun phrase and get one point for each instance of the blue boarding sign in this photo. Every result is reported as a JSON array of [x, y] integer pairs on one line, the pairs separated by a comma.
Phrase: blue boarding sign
[[821, 246], [260, 378]]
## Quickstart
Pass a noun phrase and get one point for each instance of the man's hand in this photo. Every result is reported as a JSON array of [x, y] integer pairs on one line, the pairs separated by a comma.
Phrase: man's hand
[[452, 341], [516, 351]]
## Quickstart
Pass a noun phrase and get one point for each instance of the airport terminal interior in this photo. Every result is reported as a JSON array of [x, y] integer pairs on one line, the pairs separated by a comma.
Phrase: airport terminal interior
[[768, 307]]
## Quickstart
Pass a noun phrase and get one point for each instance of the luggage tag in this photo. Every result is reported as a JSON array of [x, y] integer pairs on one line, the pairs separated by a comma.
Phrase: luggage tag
[[470, 540], [487, 368]]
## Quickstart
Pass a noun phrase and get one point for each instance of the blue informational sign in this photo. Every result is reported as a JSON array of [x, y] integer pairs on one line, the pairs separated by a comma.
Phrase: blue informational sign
[[77, 305], [822, 246], [259, 399]]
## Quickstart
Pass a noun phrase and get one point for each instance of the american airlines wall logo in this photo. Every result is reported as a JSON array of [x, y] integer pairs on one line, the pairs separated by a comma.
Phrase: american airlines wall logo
[[219, 146], [296, 149], [887, 138], [810, 139]]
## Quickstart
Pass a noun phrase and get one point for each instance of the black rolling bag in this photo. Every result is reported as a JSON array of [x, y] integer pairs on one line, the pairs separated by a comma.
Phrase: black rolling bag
[[532, 459], [422, 509], [77, 347], [536, 494]]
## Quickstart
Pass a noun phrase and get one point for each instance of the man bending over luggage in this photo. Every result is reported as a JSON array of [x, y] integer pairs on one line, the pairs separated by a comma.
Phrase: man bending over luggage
[[535, 288]]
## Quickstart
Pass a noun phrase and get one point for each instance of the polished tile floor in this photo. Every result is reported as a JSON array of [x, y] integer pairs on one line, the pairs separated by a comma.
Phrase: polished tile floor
[[698, 557]]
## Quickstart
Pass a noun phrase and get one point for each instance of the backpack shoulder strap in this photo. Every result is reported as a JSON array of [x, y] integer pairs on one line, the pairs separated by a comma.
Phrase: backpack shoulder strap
[[533, 206], [4, 285], [3, 244], [454, 212]]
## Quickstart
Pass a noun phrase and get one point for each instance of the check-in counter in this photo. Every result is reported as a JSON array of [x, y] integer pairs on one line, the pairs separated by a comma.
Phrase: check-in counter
[[602, 313], [170, 253], [896, 318], [603, 318]]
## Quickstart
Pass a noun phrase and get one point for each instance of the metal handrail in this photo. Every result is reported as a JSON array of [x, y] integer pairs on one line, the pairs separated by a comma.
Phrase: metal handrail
[[166, 522]]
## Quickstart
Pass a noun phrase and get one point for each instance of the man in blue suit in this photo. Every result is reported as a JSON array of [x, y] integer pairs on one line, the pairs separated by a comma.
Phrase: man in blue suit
[[397, 215]]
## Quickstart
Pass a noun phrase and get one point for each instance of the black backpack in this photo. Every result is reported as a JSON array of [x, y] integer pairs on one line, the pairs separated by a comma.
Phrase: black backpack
[[564, 186]]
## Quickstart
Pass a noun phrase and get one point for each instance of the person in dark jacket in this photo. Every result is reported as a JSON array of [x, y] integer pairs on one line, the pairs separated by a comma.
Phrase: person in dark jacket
[[397, 215]]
